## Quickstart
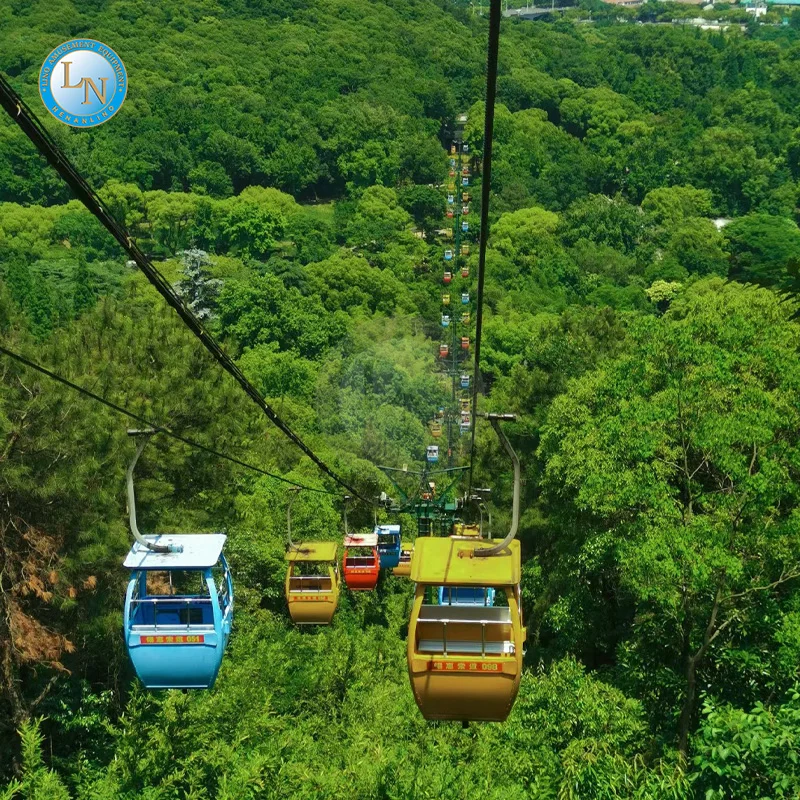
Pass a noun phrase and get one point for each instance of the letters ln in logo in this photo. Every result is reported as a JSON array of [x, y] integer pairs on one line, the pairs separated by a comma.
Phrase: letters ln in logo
[[83, 83]]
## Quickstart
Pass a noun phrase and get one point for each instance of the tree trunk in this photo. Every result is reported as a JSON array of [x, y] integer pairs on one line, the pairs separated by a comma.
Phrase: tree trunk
[[688, 707]]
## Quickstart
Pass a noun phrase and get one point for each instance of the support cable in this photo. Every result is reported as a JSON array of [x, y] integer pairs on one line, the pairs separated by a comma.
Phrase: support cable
[[150, 424], [47, 146], [486, 180]]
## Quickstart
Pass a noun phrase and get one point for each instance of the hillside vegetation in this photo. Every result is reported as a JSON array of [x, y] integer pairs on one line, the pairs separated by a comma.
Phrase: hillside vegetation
[[279, 162]]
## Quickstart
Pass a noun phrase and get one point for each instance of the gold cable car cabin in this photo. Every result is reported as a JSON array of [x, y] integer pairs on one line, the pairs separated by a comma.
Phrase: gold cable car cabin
[[312, 582], [465, 662], [403, 569]]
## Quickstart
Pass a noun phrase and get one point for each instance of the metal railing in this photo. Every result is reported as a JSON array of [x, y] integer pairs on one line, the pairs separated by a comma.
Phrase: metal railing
[[319, 579], [181, 602], [507, 646], [360, 561]]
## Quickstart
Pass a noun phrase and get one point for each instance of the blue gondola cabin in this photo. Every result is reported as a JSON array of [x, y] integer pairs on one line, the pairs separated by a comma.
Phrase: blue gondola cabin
[[432, 454], [178, 611], [388, 545]]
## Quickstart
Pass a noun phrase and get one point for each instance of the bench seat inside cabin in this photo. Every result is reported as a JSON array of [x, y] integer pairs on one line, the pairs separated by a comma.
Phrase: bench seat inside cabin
[[310, 583], [473, 630], [176, 611]]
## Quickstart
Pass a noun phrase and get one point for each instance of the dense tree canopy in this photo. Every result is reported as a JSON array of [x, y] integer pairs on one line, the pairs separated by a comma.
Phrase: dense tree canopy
[[286, 168]]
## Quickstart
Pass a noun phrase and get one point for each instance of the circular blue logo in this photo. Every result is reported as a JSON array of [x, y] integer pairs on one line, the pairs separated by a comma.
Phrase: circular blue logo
[[83, 83]]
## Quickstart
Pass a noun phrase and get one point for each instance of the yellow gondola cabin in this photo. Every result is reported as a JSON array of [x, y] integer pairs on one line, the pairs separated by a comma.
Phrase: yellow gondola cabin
[[312, 582], [403, 569], [465, 662]]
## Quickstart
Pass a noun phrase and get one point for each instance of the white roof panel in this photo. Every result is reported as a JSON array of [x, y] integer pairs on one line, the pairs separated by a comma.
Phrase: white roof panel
[[387, 529], [361, 540], [200, 550]]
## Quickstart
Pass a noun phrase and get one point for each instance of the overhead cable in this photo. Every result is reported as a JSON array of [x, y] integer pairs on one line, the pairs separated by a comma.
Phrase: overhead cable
[[149, 423], [44, 142], [486, 180]]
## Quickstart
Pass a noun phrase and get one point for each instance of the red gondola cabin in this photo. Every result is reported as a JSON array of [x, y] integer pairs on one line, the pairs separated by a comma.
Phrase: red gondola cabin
[[361, 564]]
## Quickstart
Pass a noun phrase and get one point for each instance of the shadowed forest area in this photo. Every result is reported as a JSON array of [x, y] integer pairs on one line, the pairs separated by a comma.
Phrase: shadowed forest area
[[284, 164]]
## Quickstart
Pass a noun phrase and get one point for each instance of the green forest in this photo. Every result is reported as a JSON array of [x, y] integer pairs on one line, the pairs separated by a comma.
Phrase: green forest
[[283, 165]]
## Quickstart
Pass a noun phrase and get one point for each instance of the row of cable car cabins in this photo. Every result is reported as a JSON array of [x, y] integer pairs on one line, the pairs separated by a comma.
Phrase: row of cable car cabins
[[465, 638]]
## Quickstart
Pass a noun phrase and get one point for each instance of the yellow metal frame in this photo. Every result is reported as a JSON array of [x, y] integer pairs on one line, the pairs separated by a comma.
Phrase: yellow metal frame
[[312, 599], [462, 529]]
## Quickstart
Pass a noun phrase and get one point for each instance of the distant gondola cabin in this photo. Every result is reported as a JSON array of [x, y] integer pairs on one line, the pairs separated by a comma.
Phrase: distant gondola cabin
[[403, 569], [388, 545], [361, 562], [444, 351], [432, 454], [312, 582]]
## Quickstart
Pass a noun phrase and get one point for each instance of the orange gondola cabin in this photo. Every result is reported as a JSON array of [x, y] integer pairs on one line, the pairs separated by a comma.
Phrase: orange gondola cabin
[[361, 564]]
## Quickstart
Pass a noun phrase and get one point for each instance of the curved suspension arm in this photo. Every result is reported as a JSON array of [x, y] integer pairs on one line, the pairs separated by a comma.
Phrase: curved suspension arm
[[344, 512], [156, 548], [295, 492], [495, 420]]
